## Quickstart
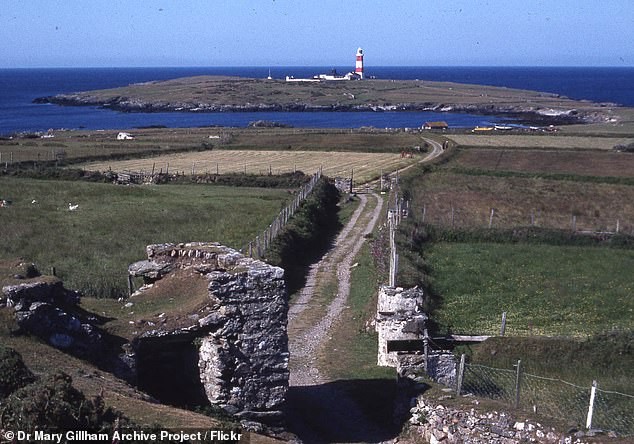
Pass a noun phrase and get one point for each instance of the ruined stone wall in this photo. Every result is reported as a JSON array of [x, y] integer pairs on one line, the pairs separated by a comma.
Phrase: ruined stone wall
[[243, 352], [399, 318]]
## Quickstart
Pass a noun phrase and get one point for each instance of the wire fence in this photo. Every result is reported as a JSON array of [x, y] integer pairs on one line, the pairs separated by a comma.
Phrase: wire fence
[[258, 246], [588, 407], [456, 217]]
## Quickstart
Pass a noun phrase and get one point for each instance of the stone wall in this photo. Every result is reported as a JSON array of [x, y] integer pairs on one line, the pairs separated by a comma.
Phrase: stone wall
[[44, 308], [401, 324], [241, 330], [399, 318]]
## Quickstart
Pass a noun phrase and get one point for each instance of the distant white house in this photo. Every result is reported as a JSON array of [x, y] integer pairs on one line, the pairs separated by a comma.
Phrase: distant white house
[[125, 136]]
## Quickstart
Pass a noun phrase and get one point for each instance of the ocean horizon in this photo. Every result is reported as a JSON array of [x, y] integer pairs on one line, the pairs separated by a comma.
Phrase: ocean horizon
[[20, 86]]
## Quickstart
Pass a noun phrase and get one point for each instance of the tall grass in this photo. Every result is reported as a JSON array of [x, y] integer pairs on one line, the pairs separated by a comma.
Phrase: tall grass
[[92, 246]]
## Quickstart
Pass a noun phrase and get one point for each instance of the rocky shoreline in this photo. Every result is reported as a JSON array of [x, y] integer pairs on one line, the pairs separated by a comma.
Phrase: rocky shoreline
[[525, 114]]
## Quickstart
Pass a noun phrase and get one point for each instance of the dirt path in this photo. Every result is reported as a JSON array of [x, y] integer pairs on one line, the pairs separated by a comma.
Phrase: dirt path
[[305, 339], [319, 409]]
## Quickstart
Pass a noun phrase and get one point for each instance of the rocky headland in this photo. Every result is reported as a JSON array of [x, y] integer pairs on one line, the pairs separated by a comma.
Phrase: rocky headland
[[206, 94]]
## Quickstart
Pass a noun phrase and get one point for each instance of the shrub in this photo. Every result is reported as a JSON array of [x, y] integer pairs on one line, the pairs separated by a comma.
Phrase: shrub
[[307, 234], [53, 403], [624, 148], [14, 374]]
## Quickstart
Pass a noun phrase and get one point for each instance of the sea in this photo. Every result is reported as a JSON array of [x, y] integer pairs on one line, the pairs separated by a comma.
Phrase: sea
[[18, 88]]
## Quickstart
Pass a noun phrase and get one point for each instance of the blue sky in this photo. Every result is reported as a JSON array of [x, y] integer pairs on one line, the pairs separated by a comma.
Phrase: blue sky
[[92, 33]]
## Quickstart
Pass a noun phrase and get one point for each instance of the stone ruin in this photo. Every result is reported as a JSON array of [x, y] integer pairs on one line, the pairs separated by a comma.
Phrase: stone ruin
[[44, 308], [239, 356], [402, 328]]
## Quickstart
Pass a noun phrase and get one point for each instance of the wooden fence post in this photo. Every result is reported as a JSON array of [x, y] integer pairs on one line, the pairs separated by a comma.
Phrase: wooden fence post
[[491, 217], [426, 349], [503, 328], [460, 376], [593, 392], [518, 382]]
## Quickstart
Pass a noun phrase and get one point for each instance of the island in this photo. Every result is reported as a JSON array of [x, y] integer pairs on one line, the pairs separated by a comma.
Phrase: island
[[235, 94]]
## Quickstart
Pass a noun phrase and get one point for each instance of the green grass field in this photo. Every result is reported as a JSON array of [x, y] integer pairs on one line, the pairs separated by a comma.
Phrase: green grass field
[[92, 246], [545, 290]]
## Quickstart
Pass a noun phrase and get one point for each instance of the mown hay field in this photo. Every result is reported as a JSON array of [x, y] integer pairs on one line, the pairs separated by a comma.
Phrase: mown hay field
[[540, 141], [365, 166], [586, 163], [69, 145]]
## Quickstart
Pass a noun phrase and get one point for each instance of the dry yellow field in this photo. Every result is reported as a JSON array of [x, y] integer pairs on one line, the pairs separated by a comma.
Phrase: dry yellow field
[[366, 166], [540, 141]]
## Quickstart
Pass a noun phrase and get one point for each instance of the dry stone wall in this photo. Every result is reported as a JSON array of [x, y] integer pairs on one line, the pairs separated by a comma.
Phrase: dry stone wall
[[241, 330], [399, 318]]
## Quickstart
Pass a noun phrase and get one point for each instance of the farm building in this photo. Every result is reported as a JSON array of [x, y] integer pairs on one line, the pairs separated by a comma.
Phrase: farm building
[[125, 136], [441, 125]]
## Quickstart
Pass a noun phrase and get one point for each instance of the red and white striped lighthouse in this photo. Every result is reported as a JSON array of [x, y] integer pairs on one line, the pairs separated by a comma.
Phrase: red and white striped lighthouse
[[359, 65]]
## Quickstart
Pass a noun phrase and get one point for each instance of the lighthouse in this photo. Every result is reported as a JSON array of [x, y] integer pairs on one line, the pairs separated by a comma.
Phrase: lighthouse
[[359, 65]]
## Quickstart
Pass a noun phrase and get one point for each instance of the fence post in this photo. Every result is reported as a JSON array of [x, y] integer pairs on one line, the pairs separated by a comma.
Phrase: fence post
[[460, 375], [518, 382], [491, 217], [426, 349], [503, 328], [130, 285], [593, 392]]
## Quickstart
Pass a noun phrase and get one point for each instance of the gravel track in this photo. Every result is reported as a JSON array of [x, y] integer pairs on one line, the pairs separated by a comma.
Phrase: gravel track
[[319, 410], [304, 346]]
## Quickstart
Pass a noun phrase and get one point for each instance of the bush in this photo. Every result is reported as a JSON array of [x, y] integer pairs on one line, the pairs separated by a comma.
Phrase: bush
[[625, 148], [14, 374], [307, 234], [52, 403]]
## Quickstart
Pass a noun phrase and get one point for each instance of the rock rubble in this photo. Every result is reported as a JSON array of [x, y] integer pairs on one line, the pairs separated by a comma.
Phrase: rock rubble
[[436, 423]]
